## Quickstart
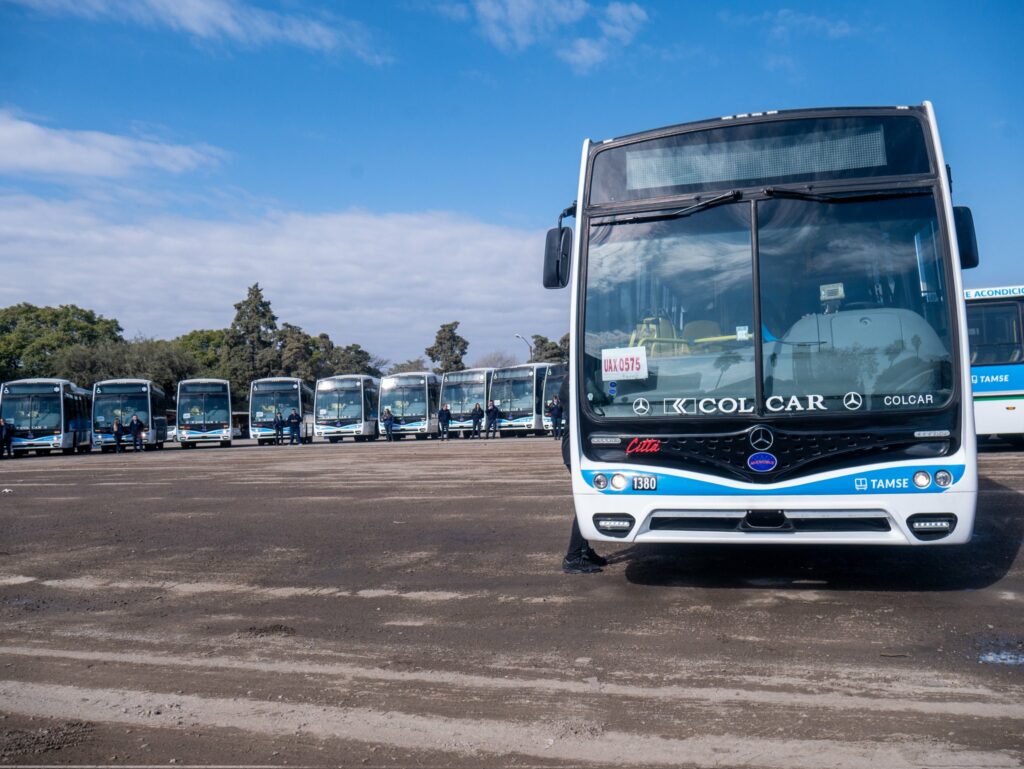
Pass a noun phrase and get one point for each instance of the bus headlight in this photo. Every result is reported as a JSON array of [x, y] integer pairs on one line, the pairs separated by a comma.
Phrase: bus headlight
[[943, 478], [618, 481], [600, 482], [922, 479]]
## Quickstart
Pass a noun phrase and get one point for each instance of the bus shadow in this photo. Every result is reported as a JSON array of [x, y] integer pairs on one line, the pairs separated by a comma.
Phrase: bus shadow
[[998, 532]]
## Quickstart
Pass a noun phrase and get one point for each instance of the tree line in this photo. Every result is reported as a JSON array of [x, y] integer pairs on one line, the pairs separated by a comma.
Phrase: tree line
[[74, 343]]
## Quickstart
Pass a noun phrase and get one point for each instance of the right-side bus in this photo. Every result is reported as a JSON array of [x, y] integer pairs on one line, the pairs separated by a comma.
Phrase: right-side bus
[[346, 407], [462, 390], [994, 330], [518, 392], [47, 415], [414, 399], [280, 394], [122, 399], [204, 412], [768, 332]]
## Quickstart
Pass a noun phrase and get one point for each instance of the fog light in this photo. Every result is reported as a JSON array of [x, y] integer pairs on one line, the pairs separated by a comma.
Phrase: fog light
[[600, 482], [927, 526], [930, 525], [922, 480], [943, 478], [618, 481], [614, 524]]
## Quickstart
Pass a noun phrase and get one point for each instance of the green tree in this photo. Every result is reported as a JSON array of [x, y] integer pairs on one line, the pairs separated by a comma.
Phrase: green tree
[[448, 349], [495, 359], [546, 351], [250, 351], [295, 351], [207, 347], [413, 364], [31, 337], [353, 359], [166, 363]]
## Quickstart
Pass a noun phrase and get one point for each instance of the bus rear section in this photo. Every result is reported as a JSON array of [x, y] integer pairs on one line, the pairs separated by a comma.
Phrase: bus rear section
[[346, 407], [413, 398], [994, 329], [203, 413], [121, 399], [46, 415], [768, 336], [463, 391], [518, 392], [279, 395]]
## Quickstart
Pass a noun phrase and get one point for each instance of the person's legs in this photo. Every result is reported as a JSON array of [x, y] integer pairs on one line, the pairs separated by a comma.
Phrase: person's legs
[[578, 555]]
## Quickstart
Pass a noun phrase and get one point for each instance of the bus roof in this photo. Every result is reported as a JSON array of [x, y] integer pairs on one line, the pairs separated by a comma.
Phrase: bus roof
[[348, 376], [411, 373], [996, 292], [49, 380], [204, 380]]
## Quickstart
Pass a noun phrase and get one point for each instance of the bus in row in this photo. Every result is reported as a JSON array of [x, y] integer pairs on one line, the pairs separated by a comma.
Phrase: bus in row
[[203, 413], [995, 327], [121, 399], [463, 391], [413, 398], [768, 338], [46, 415], [279, 395], [346, 407]]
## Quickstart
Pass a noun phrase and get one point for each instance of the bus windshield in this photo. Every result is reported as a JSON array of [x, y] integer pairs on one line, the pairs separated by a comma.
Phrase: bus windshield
[[461, 397], [552, 384], [514, 397], [32, 413], [198, 408], [853, 311], [267, 402], [995, 333], [405, 400], [107, 407], [343, 401]]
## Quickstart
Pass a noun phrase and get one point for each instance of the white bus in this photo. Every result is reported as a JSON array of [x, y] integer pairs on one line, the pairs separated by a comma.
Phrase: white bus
[[768, 333], [273, 395], [556, 375], [122, 399], [518, 392], [462, 391], [996, 337], [204, 412], [47, 415], [414, 400], [346, 406]]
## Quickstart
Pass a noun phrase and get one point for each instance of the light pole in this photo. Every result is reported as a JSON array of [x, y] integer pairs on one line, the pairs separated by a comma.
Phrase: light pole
[[520, 336]]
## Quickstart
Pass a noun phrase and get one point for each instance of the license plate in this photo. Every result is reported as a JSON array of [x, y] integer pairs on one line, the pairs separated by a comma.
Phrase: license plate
[[645, 483]]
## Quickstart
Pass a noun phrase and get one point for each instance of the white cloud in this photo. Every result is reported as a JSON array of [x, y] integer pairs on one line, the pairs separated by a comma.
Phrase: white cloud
[[785, 23], [514, 25], [386, 281], [619, 26], [28, 148], [231, 20]]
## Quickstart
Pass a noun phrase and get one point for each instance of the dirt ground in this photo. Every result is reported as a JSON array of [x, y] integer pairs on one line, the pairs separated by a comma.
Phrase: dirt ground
[[393, 605]]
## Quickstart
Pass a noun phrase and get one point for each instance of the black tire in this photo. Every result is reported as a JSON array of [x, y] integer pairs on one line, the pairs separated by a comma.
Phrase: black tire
[[42, 452], [225, 444], [420, 436], [332, 440], [105, 449], [68, 452]]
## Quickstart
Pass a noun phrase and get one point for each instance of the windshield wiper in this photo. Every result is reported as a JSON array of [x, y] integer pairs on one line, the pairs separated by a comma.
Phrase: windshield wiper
[[703, 205], [853, 197]]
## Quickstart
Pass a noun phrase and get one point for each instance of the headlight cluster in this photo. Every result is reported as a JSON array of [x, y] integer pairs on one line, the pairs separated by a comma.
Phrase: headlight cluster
[[943, 479]]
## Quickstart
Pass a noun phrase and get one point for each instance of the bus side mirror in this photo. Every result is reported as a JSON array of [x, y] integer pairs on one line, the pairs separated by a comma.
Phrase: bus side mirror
[[557, 257], [965, 237]]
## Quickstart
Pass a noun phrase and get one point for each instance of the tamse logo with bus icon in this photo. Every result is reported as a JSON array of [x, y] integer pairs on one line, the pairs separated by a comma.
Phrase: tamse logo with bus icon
[[762, 462], [643, 446]]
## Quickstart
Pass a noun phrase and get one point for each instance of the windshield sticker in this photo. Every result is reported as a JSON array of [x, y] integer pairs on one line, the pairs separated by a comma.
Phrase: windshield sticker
[[853, 401], [831, 292], [641, 407], [742, 333], [259, 414], [612, 388], [694, 406], [896, 401], [620, 363]]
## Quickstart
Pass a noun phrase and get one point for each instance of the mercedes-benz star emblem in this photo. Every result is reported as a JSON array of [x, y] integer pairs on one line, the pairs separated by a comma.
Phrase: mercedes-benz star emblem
[[853, 401], [761, 438], [641, 407]]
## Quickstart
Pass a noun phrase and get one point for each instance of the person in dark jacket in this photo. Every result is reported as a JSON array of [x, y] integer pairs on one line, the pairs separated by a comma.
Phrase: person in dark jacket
[[294, 423], [135, 429], [387, 419], [118, 431], [493, 415], [278, 428], [555, 412], [580, 557], [444, 419], [477, 415], [5, 431]]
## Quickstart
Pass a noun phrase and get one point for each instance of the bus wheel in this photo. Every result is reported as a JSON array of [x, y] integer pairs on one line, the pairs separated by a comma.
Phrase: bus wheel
[[420, 436], [42, 452], [160, 445], [104, 449], [225, 444], [68, 452]]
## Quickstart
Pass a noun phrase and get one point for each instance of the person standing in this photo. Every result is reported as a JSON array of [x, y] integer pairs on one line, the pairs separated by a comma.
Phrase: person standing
[[477, 415], [444, 420], [135, 429], [387, 419], [4, 431], [118, 432], [493, 415], [556, 413], [278, 428], [294, 423], [580, 557]]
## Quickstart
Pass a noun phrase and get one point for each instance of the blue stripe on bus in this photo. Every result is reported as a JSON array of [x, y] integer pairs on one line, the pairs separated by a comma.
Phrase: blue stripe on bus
[[892, 480], [987, 379]]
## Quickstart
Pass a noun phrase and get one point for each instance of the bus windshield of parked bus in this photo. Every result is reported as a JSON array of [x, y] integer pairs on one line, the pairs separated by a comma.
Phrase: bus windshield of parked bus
[[405, 396], [553, 382], [120, 401], [203, 404], [268, 398], [994, 331], [32, 407], [462, 391], [513, 393], [339, 400]]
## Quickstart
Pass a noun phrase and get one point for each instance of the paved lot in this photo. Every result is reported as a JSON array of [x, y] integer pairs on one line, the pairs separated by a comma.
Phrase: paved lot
[[401, 605]]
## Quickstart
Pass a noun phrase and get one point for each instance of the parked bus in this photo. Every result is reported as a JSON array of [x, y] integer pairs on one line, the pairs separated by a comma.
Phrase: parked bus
[[204, 412], [768, 333], [279, 394], [346, 406], [47, 415], [995, 334], [462, 390], [518, 391], [122, 399], [414, 400], [553, 380]]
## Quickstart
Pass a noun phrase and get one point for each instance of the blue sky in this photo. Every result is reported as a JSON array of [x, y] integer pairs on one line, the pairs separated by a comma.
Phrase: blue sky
[[381, 168]]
